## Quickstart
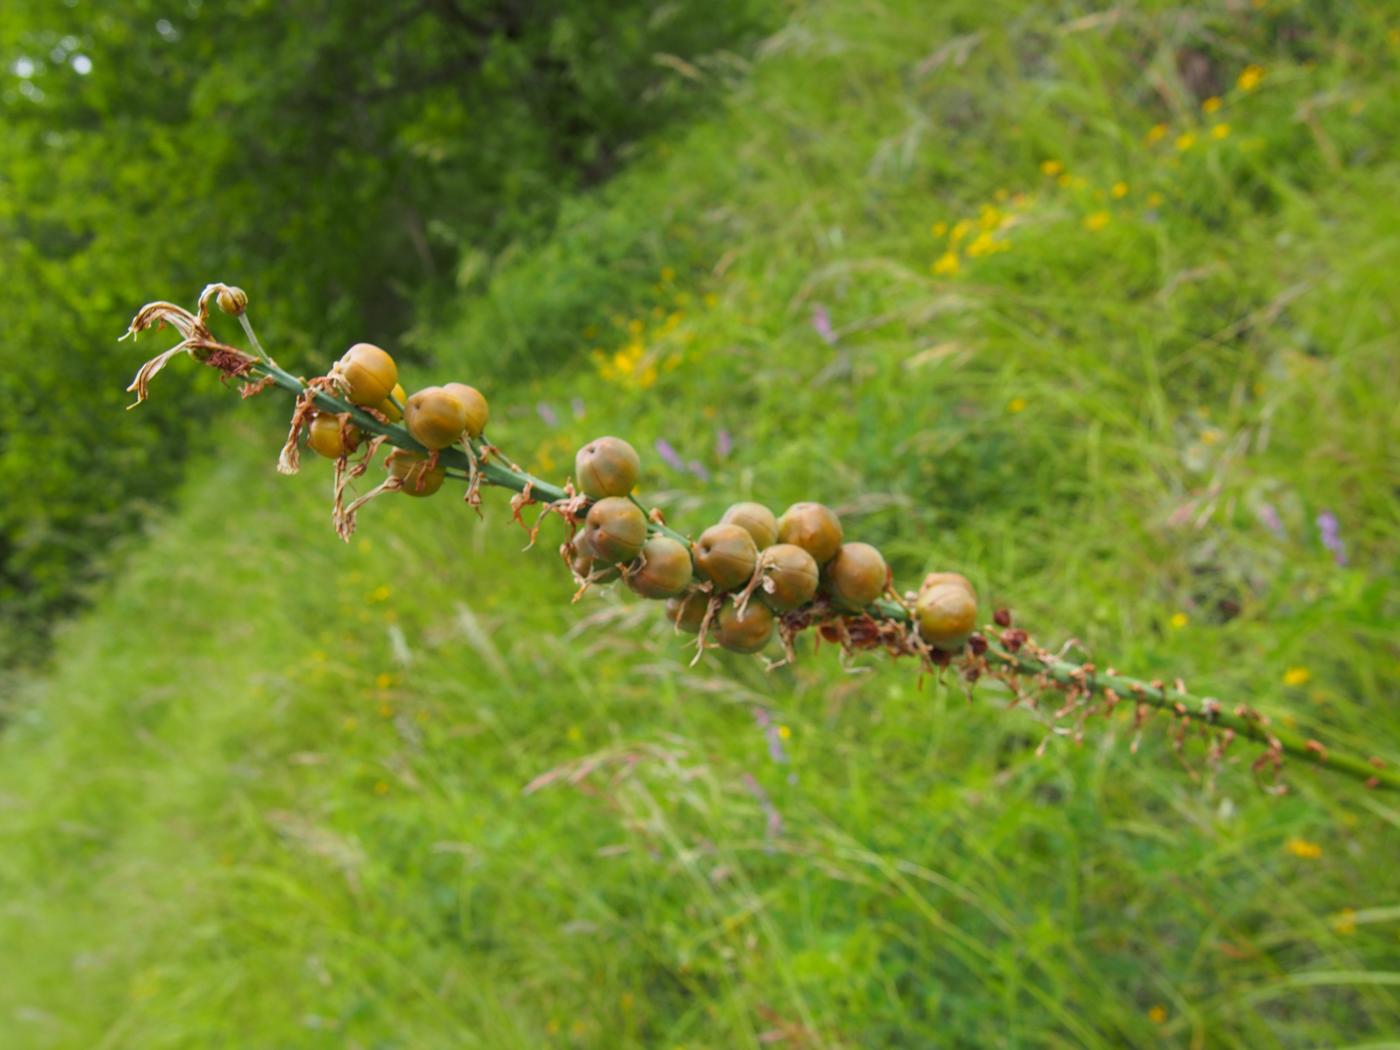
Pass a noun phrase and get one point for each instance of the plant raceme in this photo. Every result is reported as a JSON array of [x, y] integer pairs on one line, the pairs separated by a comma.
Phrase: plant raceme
[[742, 582]]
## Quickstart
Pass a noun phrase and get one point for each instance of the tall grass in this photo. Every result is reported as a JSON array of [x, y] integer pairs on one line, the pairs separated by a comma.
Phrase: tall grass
[[283, 791]]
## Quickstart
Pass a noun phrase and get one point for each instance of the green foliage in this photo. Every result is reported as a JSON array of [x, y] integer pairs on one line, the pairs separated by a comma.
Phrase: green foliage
[[359, 158], [275, 792]]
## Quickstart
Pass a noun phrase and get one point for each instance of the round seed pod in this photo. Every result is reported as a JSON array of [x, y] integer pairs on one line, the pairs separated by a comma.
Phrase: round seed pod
[[726, 556], [435, 417], [326, 436], [412, 469], [755, 519], [665, 571], [607, 466], [933, 579], [585, 562], [813, 527], [744, 634], [391, 410], [369, 373], [616, 529], [233, 300], [946, 614], [856, 576], [688, 611], [478, 411], [791, 576]]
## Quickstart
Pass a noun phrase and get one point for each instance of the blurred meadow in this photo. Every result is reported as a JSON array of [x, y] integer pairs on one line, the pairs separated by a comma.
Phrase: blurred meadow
[[1096, 305]]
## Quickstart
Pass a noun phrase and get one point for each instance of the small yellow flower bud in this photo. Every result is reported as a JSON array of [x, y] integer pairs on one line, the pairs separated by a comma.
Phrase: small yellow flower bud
[[233, 301]]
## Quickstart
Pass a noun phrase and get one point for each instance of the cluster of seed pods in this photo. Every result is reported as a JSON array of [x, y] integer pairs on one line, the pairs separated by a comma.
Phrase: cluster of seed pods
[[738, 582]]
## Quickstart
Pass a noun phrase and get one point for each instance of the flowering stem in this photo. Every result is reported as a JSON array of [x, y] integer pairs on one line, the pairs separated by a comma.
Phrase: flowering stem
[[1082, 682]]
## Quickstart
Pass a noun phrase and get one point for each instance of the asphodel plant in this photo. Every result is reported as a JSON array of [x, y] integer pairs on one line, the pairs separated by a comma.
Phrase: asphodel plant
[[751, 582]]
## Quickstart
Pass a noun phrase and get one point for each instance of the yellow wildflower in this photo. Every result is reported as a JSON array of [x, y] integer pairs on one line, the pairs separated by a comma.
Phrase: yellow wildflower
[[1250, 77], [990, 217], [1001, 195], [1097, 221], [1345, 922], [1120, 190], [784, 732], [381, 788], [939, 228], [985, 244], [380, 593], [1179, 620], [1154, 200], [1185, 140], [1303, 849], [1156, 133], [1296, 676], [1211, 436], [1051, 167], [1220, 131], [386, 711], [1158, 1014], [960, 229], [383, 680], [668, 274], [1016, 404], [946, 264], [1211, 104]]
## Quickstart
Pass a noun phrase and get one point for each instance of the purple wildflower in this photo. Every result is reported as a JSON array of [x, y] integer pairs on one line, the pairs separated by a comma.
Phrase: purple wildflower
[[698, 469], [770, 730], [1331, 530], [547, 414], [1269, 518], [774, 824], [669, 455], [724, 444], [821, 323]]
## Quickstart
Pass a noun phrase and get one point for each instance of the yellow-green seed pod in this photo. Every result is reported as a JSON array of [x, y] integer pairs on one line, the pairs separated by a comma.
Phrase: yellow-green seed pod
[[744, 634], [790, 576], [688, 612], [856, 576], [232, 300], [933, 579], [585, 562], [664, 569], [813, 527], [478, 411], [726, 556], [435, 417], [388, 408], [412, 469], [327, 436], [616, 529], [756, 519], [946, 615], [367, 374], [607, 466]]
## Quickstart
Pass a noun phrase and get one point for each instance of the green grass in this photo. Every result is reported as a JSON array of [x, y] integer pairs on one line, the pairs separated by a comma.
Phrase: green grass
[[274, 790]]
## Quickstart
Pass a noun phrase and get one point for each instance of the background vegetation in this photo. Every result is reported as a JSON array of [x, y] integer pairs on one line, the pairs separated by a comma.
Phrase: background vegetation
[[1094, 305], [368, 161]]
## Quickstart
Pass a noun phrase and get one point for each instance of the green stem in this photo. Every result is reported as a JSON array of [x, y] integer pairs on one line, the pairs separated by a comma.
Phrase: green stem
[[1241, 720]]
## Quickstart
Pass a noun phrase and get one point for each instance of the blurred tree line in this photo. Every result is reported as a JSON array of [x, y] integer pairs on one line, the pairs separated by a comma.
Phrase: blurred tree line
[[349, 161]]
